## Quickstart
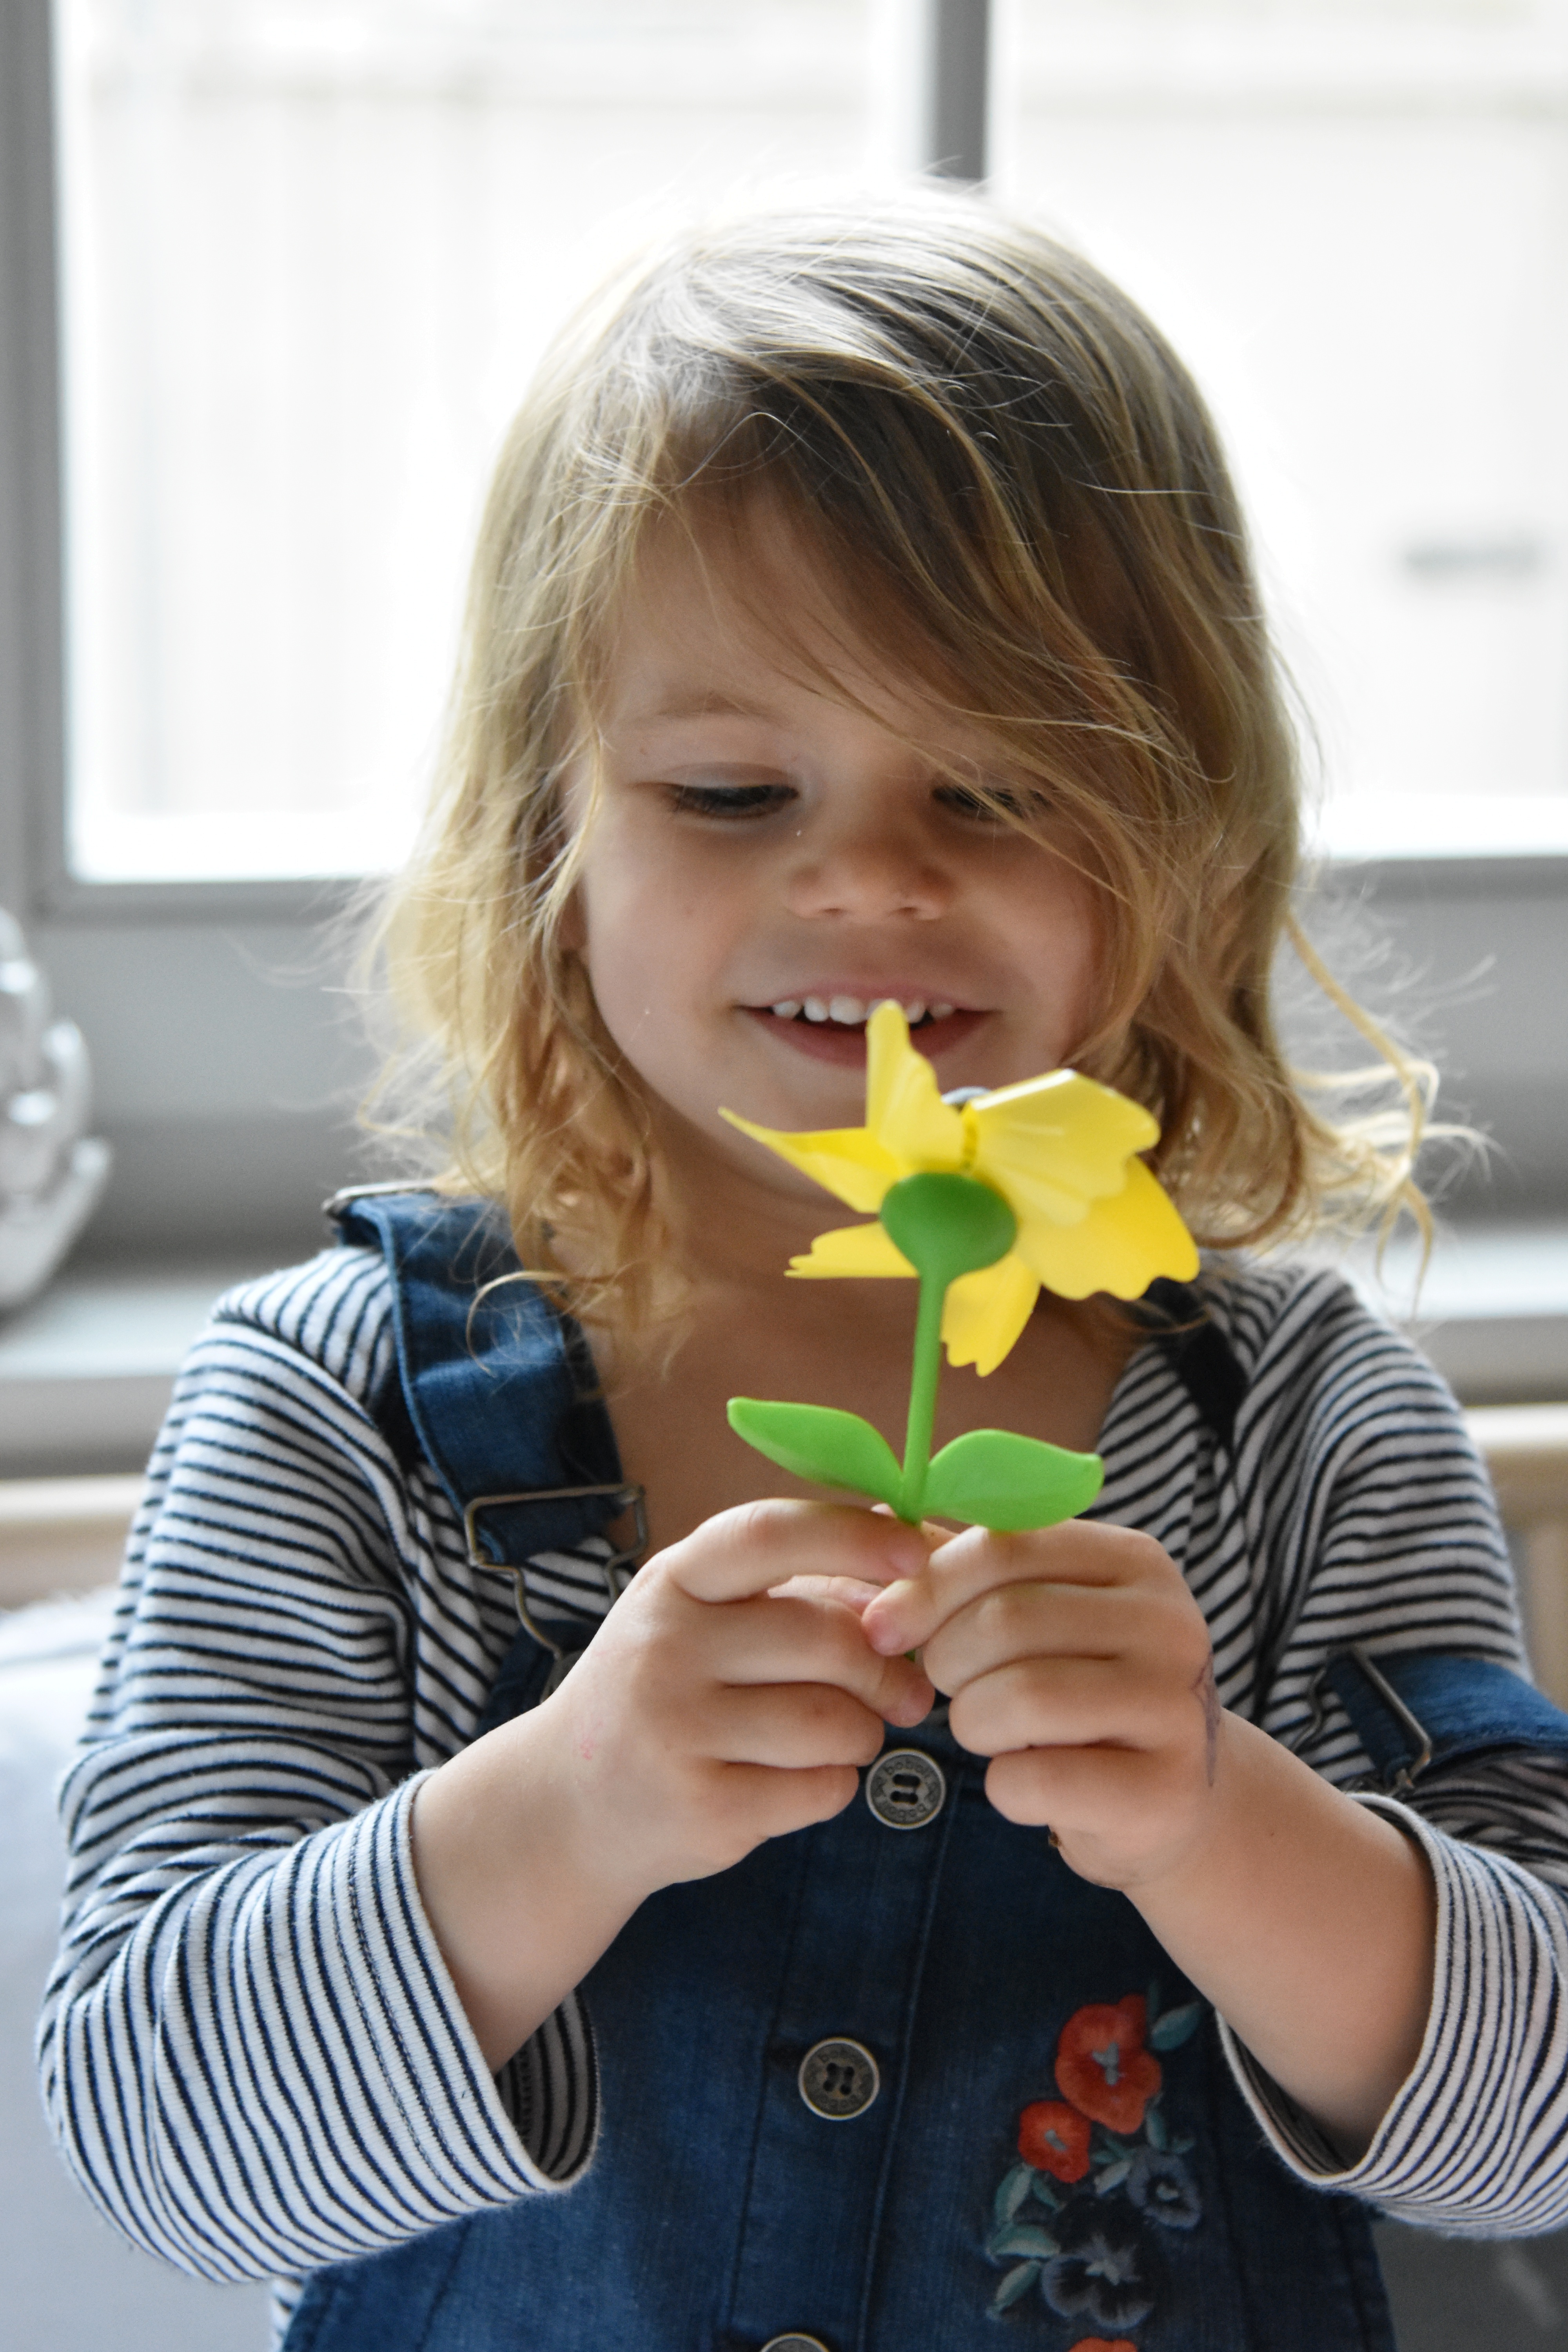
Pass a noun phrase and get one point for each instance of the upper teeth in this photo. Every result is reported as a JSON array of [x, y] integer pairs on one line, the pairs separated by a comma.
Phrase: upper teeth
[[848, 1010]]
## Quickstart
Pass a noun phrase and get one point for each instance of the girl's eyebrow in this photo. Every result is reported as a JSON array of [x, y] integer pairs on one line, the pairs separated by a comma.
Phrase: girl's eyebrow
[[705, 703]]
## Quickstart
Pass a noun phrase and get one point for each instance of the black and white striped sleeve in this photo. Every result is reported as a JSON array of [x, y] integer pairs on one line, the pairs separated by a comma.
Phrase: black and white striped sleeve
[[251, 2053], [1367, 1499]]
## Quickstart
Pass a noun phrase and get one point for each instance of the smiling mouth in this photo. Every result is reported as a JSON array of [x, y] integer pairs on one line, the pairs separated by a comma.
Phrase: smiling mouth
[[853, 1012]]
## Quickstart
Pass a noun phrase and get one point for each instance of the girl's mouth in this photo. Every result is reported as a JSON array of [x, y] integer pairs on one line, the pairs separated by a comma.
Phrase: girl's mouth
[[833, 1028]]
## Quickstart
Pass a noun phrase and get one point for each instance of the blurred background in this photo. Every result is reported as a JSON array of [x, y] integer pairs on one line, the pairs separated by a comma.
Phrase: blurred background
[[273, 274]]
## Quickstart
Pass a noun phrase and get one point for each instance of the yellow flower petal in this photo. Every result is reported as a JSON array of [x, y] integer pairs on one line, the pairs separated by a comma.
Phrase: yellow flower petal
[[1054, 1144], [904, 1109], [984, 1313], [1120, 1245], [845, 1160], [852, 1249]]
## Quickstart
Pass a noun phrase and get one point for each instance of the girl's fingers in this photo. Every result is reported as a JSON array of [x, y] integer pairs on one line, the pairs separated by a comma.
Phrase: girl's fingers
[[909, 1612], [781, 1640], [1070, 1703], [758, 1545], [791, 1726], [766, 1803], [1078, 1792], [1130, 1628]]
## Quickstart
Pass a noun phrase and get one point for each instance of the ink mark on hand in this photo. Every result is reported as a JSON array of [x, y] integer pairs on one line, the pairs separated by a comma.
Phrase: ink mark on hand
[[1207, 1697]]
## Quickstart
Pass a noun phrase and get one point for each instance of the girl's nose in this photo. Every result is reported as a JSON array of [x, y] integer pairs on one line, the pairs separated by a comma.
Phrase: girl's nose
[[870, 870]]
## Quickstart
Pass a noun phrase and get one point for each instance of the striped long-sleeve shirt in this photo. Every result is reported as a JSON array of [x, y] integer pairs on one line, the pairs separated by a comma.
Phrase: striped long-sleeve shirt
[[252, 2052]]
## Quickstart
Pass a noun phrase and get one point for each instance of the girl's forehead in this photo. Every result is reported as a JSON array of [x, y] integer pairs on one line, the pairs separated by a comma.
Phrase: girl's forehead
[[734, 616]]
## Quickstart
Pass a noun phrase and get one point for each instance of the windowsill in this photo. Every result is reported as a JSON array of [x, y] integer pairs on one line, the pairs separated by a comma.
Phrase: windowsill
[[1492, 1311], [85, 1371]]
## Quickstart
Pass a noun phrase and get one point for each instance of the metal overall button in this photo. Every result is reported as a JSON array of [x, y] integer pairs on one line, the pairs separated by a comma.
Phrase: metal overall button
[[794, 2342], [838, 2079], [906, 1789]]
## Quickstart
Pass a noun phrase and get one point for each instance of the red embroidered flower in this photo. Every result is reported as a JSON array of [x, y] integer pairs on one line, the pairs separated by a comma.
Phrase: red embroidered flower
[[1054, 2137], [1102, 2066], [1103, 2344]]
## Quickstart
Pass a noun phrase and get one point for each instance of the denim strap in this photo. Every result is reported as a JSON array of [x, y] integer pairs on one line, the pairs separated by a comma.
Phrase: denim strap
[[499, 1384], [1413, 1710]]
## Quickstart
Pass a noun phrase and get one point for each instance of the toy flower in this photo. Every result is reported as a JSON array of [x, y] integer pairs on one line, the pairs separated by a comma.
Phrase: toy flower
[[983, 1197], [1058, 1151]]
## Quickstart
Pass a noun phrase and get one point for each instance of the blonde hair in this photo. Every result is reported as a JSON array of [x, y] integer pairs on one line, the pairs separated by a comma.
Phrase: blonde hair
[[1018, 492]]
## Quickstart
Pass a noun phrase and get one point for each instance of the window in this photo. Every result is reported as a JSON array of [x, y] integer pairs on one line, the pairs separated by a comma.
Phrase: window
[[308, 247], [1352, 217], [313, 249]]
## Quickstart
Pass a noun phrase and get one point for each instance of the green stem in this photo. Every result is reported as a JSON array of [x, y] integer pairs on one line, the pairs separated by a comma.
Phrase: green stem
[[923, 1376]]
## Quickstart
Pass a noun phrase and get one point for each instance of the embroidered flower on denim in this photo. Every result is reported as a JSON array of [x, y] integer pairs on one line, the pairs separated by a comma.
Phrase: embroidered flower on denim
[[1160, 2186], [1055, 2138], [1103, 2067], [1102, 2270], [1105, 2138]]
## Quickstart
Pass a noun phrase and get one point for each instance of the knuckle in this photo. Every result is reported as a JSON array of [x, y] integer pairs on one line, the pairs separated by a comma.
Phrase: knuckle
[[757, 1526]]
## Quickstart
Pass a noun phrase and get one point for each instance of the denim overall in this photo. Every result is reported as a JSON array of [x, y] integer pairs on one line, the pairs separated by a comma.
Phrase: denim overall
[[901, 2082]]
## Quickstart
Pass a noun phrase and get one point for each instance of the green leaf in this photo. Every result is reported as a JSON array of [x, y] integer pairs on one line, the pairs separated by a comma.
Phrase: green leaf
[[1177, 2025], [819, 1443], [1112, 2176], [999, 1480], [1023, 2238], [1014, 2191], [1155, 2126], [1045, 2193], [1015, 2283]]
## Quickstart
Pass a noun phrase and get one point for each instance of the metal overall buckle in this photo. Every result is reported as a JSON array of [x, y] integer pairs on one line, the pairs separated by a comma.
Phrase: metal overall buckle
[[617, 1568], [1405, 1775]]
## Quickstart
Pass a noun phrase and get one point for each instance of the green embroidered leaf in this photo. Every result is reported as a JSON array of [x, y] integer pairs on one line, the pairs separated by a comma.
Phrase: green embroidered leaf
[[1152, 2001], [1183, 2145], [1155, 2125], [819, 1443], [1112, 2176], [1015, 2283], [996, 1479], [1045, 2193], [1014, 2192], [1023, 2238], [1177, 2025]]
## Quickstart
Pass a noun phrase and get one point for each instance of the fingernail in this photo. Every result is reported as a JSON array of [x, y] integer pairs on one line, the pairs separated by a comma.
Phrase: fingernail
[[883, 1625]]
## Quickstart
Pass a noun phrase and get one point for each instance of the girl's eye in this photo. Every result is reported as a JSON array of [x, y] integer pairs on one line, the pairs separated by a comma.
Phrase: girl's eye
[[997, 802], [730, 801]]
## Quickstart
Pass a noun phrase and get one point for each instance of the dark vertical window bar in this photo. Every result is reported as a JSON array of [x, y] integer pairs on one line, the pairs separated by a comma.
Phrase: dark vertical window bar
[[953, 112]]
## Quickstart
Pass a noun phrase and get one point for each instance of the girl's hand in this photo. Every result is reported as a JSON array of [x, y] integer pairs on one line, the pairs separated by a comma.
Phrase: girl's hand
[[729, 1697], [1078, 1662], [1077, 1659]]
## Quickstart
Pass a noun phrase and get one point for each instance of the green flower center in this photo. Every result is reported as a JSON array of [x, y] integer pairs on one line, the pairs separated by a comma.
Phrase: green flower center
[[947, 1226]]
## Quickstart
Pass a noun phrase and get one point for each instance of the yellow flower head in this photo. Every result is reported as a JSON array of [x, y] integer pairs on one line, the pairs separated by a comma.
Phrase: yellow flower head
[[1060, 1151]]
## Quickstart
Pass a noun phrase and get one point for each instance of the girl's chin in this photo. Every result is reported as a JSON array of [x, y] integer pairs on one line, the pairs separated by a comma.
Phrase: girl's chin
[[827, 1041]]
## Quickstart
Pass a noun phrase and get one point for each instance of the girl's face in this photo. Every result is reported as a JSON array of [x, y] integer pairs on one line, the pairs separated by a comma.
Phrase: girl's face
[[768, 847]]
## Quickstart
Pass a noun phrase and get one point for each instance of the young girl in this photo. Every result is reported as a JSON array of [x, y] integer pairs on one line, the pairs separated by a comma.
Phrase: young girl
[[879, 1934]]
